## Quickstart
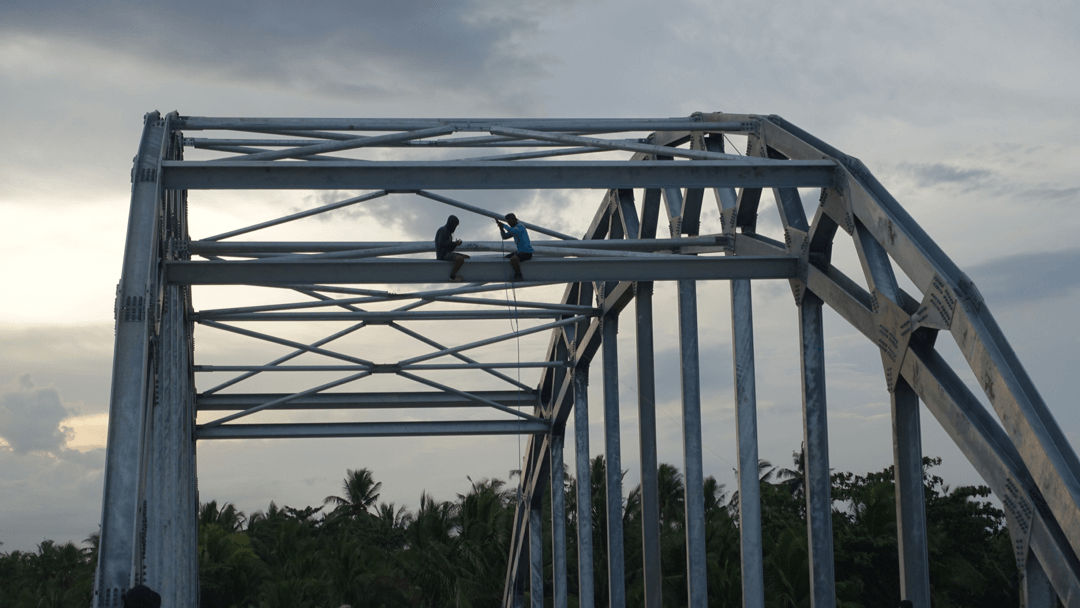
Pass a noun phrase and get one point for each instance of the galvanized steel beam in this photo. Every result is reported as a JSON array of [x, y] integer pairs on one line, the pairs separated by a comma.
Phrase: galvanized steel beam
[[650, 498], [816, 455], [536, 557], [694, 503], [380, 317], [370, 429], [247, 248], [746, 441], [120, 555], [492, 270], [607, 144], [912, 543], [171, 495], [582, 464], [613, 464], [558, 520], [592, 125], [373, 400], [502, 175]]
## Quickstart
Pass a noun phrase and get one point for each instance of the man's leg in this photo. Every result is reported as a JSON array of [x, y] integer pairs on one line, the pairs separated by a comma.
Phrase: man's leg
[[516, 263], [459, 260]]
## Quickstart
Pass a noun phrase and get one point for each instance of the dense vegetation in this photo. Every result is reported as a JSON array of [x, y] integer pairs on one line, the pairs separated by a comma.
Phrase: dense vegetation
[[355, 550]]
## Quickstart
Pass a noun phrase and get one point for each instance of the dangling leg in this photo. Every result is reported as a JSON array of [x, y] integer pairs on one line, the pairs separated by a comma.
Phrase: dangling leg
[[516, 263], [459, 260]]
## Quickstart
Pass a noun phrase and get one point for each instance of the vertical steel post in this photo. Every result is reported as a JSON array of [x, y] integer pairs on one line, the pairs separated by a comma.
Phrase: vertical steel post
[[750, 549], [910, 503], [171, 496], [816, 455], [907, 441], [536, 555], [613, 467], [695, 484], [119, 552], [558, 521], [1035, 589], [650, 501], [584, 487]]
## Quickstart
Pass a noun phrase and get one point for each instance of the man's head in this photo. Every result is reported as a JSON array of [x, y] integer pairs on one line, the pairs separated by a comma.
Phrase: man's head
[[452, 222], [511, 219], [141, 596]]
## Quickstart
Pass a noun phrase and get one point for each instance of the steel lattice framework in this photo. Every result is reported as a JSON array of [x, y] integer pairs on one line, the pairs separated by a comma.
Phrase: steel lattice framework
[[308, 300]]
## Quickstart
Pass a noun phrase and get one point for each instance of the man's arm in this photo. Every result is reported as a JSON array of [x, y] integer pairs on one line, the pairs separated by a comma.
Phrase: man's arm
[[443, 240], [503, 230]]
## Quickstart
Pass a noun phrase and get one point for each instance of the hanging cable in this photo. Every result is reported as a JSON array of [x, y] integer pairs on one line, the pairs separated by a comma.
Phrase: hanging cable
[[515, 327]]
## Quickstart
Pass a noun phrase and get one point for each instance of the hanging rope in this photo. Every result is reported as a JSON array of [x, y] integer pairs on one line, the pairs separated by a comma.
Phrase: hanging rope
[[515, 326]]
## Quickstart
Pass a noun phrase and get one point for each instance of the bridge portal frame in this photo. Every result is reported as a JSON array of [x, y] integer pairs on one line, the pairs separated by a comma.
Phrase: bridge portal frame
[[150, 497]]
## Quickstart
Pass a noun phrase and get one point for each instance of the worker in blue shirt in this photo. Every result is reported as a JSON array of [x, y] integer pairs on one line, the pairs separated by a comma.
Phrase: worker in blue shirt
[[517, 231]]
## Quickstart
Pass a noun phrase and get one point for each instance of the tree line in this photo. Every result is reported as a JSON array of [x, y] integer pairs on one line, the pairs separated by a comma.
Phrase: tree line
[[355, 550]]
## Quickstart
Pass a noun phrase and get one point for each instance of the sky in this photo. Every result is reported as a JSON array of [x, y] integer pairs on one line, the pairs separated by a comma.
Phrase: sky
[[966, 111]]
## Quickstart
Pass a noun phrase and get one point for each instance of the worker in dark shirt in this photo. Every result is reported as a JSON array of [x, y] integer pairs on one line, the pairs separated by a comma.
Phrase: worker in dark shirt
[[445, 245], [522, 243]]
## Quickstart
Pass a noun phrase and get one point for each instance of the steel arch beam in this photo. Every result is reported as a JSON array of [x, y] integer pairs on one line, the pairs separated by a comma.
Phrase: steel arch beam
[[950, 302]]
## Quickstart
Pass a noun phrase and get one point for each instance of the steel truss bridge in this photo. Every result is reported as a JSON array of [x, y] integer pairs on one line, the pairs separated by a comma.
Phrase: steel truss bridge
[[444, 362]]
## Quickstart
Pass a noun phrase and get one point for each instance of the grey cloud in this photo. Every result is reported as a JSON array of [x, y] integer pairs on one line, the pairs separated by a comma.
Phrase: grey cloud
[[937, 65], [386, 211], [933, 174], [348, 48], [49, 496], [988, 182], [710, 357], [419, 217], [93, 459], [30, 419], [74, 360], [1027, 277], [1067, 194]]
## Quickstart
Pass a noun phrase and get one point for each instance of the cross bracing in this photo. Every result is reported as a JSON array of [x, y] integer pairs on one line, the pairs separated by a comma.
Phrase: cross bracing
[[344, 337]]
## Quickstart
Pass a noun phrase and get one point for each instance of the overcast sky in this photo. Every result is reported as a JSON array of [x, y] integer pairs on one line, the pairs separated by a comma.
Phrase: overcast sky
[[965, 111]]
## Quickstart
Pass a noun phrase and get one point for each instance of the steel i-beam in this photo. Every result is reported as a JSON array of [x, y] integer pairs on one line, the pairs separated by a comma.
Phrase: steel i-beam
[[742, 345], [582, 465], [613, 465], [694, 477], [816, 455], [650, 502], [910, 503]]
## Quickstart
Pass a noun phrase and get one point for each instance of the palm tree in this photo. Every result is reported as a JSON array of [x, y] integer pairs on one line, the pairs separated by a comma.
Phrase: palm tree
[[361, 492], [714, 495], [794, 479], [485, 519], [767, 472], [669, 486], [430, 554], [228, 517], [393, 517]]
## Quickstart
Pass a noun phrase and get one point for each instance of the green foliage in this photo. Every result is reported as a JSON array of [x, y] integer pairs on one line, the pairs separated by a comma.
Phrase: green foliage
[[453, 553], [55, 576]]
